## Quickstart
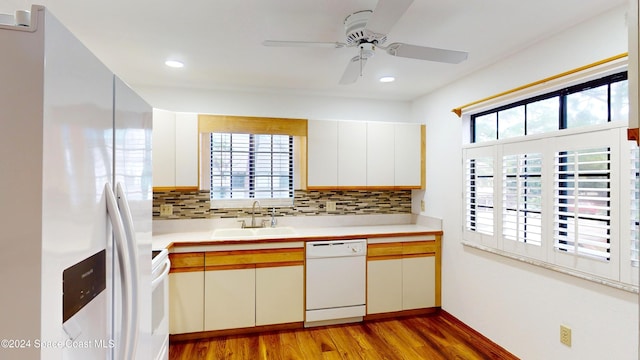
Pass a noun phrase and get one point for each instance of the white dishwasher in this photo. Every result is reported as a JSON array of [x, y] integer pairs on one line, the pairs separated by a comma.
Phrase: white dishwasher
[[336, 281]]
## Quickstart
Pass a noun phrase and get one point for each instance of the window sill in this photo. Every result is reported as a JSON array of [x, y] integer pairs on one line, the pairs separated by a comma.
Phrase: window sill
[[596, 279]]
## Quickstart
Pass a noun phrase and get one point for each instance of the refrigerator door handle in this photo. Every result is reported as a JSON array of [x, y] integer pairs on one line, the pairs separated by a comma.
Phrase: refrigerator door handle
[[132, 251], [125, 271]]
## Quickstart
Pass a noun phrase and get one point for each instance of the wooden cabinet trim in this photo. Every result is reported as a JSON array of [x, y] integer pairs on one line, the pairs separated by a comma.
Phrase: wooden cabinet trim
[[383, 257], [187, 262], [382, 251], [280, 264], [419, 247], [175, 188], [254, 125], [243, 257], [253, 266]]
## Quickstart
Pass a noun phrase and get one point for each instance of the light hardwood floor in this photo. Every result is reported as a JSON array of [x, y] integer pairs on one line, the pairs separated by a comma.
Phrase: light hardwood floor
[[435, 336]]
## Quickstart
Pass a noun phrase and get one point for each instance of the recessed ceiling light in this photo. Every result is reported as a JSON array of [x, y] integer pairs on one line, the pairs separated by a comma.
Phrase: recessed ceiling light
[[174, 63], [387, 79]]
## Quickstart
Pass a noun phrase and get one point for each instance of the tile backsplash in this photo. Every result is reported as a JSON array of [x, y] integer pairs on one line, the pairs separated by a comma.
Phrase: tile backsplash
[[195, 204]]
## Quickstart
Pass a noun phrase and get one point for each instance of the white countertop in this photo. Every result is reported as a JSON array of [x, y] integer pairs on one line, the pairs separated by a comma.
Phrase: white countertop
[[165, 240]]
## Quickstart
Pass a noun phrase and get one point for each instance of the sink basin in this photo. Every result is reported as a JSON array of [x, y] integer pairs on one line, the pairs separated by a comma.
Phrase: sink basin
[[244, 232], [275, 231], [232, 232]]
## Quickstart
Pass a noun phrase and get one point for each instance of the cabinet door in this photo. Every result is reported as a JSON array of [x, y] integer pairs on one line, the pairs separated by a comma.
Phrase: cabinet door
[[279, 295], [418, 282], [164, 148], [380, 154], [384, 286], [186, 158], [186, 302], [229, 299], [352, 151], [322, 153], [408, 154]]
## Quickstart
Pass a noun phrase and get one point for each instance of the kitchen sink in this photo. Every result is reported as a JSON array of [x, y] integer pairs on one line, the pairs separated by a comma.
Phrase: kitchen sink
[[285, 230], [232, 232], [247, 232]]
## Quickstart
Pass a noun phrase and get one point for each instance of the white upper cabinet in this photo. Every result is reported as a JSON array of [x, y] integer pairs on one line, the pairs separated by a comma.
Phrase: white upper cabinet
[[352, 153], [322, 151], [358, 154], [175, 149], [408, 155], [186, 149], [380, 154], [164, 148]]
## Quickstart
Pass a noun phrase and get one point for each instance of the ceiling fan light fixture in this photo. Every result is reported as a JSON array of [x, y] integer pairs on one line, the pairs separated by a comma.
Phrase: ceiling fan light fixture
[[387, 79], [367, 50], [174, 64]]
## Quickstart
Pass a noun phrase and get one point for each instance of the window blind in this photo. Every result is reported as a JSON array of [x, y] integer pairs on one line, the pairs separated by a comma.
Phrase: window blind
[[522, 198], [582, 202], [248, 166], [479, 195]]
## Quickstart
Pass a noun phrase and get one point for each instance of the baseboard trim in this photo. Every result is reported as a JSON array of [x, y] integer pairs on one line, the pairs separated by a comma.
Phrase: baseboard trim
[[477, 339]]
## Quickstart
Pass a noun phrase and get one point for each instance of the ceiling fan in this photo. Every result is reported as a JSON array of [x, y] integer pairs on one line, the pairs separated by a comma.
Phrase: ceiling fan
[[367, 30]]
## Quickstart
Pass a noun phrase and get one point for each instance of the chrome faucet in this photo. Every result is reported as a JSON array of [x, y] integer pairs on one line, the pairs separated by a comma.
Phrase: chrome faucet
[[253, 213]]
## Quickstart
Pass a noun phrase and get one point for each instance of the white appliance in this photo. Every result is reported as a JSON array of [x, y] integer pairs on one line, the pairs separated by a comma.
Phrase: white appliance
[[160, 267], [73, 139], [336, 281]]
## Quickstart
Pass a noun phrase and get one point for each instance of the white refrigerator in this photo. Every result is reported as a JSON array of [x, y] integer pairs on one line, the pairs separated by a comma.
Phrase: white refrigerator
[[75, 201]]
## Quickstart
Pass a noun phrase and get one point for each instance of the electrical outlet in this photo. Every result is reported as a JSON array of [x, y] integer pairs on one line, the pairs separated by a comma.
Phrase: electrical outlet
[[421, 205], [565, 335], [166, 209], [331, 206]]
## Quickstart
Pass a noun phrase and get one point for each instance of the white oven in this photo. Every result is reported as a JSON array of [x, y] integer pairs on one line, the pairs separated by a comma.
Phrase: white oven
[[160, 305]]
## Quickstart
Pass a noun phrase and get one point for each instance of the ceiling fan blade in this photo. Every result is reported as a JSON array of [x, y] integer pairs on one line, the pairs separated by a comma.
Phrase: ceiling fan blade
[[353, 70], [387, 14], [426, 53], [277, 43]]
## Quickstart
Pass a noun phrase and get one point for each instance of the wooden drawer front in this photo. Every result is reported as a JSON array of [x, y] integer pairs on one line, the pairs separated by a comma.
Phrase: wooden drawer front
[[397, 250], [386, 250], [253, 258], [184, 262], [419, 248]]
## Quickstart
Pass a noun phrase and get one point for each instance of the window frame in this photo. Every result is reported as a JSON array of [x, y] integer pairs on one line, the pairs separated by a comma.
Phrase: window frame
[[296, 128], [617, 269], [560, 93], [251, 176]]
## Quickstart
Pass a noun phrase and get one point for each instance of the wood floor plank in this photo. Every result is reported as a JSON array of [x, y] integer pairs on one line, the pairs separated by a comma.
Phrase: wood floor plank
[[434, 336], [348, 347], [309, 346]]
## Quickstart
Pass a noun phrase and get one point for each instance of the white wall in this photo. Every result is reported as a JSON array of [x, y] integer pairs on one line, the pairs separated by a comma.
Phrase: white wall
[[517, 305], [225, 102]]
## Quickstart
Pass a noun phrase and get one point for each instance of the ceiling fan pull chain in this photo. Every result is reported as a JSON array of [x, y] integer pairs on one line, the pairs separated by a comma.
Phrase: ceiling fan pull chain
[[360, 60]]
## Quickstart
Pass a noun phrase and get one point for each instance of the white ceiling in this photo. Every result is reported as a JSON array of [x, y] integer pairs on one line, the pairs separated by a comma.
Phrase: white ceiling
[[220, 41]]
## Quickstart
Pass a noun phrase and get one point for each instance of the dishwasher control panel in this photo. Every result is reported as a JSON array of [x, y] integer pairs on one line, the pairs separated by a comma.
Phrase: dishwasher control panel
[[336, 248]]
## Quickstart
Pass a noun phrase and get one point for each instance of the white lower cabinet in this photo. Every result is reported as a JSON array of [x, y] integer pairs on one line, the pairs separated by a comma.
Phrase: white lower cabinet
[[229, 299], [401, 284], [186, 302], [253, 297], [418, 282], [384, 286], [279, 295]]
